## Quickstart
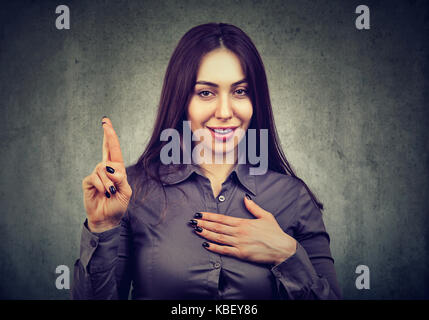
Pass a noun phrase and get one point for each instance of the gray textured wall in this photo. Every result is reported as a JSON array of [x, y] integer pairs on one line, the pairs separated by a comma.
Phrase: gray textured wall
[[350, 107]]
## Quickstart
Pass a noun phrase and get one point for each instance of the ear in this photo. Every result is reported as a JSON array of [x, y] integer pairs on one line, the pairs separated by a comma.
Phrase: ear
[[256, 210]]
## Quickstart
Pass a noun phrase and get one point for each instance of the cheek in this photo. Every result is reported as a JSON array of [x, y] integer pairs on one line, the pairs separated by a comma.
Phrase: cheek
[[198, 113], [244, 111]]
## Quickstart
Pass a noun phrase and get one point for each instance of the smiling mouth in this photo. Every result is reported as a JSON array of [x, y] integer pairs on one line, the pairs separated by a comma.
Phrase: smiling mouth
[[222, 133], [222, 130]]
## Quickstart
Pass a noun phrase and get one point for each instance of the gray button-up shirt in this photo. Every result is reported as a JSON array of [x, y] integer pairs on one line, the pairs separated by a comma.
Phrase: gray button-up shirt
[[167, 261]]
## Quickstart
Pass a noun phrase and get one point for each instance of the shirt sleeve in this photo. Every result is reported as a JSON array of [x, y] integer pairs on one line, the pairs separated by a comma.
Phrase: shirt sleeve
[[102, 272], [309, 273]]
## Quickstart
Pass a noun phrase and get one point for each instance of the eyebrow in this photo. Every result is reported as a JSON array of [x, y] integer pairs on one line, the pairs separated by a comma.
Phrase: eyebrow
[[215, 85]]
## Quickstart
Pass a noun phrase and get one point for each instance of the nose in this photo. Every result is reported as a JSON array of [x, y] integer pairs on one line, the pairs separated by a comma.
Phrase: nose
[[224, 108]]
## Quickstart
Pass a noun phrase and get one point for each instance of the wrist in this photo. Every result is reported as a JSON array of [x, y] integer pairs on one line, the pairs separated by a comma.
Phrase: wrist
[[287, 249], [101, 226]]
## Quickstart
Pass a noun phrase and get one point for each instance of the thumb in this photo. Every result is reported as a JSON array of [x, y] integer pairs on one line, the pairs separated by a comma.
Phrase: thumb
[[256, 210]]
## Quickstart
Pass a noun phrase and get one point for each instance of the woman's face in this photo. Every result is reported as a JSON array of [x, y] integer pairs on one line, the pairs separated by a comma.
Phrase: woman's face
[[220, 101]]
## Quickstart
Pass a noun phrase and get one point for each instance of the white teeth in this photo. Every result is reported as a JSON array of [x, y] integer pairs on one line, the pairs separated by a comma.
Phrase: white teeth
[[223, 131]]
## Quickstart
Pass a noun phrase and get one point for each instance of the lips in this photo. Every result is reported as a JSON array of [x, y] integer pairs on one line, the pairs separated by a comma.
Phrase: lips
[[222, 133]]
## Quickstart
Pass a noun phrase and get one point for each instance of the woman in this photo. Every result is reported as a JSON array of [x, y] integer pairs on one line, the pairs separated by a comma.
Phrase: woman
[[204, 229]]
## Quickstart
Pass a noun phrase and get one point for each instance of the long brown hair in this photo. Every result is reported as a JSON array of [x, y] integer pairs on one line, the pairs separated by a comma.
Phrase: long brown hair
[[179, 85]]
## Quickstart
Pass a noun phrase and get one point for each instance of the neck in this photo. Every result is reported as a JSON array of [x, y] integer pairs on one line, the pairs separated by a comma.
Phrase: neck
[[218, 171]]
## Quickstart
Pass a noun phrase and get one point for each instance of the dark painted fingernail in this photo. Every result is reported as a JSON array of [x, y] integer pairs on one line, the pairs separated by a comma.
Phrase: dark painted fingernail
[[103, 117], [112, 189], [198, 229], [206, 244], [103, 123], [193, 222], [248, 197], [107, 194], [110, 169], [198, 215]]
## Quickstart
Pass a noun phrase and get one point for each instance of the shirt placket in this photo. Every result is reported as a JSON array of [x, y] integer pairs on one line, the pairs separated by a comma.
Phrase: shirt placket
[[223, 202], [217, 205]]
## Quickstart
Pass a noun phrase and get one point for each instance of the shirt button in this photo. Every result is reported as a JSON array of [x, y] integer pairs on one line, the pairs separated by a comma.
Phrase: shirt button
[[93, 243], [221, 198], [216, 265]]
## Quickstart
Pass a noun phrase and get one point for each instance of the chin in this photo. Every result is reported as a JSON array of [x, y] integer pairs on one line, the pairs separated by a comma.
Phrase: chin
[[222, 149]]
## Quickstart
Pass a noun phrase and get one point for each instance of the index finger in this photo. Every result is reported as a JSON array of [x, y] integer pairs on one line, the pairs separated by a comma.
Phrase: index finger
[[111, 147], [221, 218], [106, 156]]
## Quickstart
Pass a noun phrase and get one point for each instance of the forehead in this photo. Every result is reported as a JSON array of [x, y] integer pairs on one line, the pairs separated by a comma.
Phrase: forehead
[[220, 66]]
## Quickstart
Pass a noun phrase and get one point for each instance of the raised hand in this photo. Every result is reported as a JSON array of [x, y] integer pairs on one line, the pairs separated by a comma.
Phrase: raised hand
[[106, 192]]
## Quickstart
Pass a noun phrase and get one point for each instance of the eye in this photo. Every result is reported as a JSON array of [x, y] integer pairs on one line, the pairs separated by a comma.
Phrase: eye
[[241, 92], [204, 94]]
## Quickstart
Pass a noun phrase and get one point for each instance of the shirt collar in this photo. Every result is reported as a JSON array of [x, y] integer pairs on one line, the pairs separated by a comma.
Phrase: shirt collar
[[173, 174]]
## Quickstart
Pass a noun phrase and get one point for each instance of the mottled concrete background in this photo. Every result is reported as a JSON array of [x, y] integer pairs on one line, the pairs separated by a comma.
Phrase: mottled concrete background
[[351, 108]]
